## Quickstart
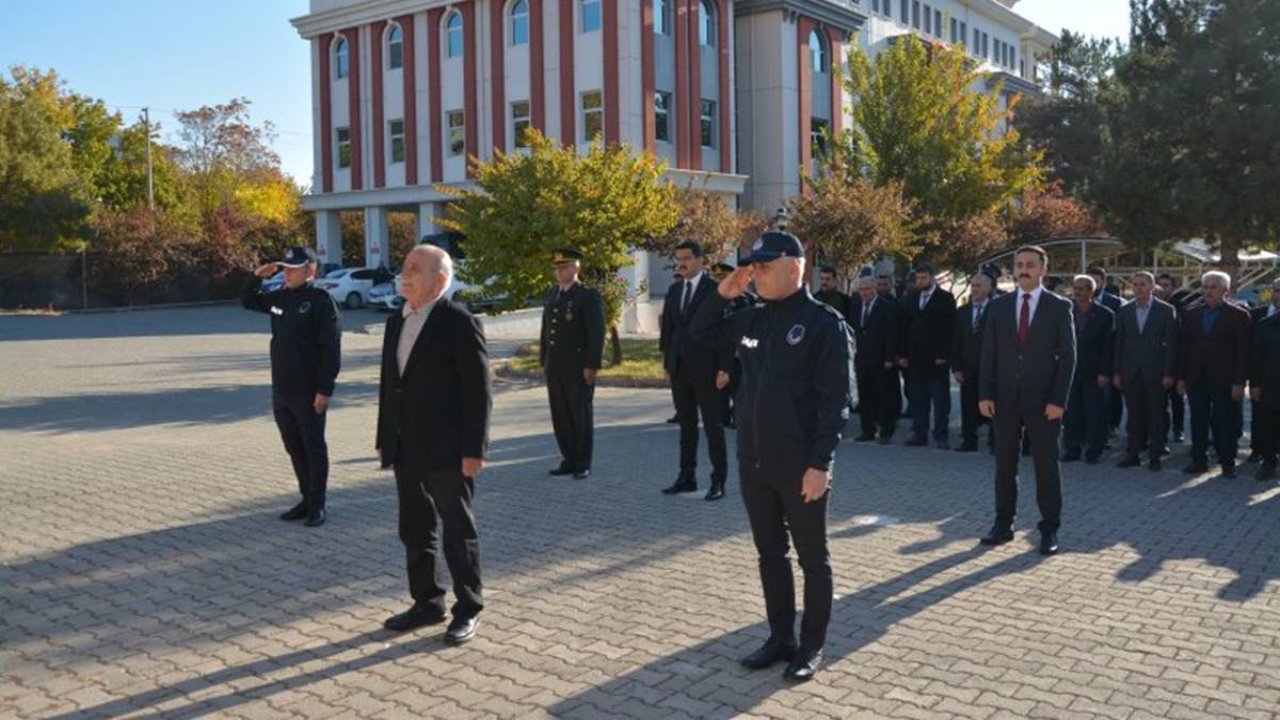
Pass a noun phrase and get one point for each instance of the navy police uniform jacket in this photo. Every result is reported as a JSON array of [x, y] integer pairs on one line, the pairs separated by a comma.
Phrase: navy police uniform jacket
[[797, 378], [305, 338]]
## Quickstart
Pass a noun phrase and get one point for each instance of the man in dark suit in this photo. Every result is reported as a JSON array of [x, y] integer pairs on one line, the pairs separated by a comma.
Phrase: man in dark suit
[[434, 401], [696, 372], [1114, 405], [1145, 368], [885, 291], [1175, 414], [1085, 428], [1028, 355], [829, 292], [571, 349], [875, 330], [928, 319], [1264, 385], [966, 359], [1213, 366], [1257, 315]]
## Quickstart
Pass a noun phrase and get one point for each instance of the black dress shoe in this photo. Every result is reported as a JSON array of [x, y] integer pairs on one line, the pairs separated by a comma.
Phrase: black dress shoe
[[716, 492], [771, 652], [582, 474], [1195, 468], [415, 617], [560, 471], [1178, 437], [885, 439], [1266, 471], [967, 447], [673, 419], [1048, 542], [997, 536], [297, 512], [680, 486], [865, 437], [803, 666], [1071, 456], [1129, 461], [916, 442], [1155, 465], [1229, 472], [315, 518], [461, 630]]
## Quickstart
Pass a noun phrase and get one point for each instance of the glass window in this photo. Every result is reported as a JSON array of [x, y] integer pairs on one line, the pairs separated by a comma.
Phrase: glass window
[[520, 122], [955, 24], [937, 22], [708, 123], [661, 115], [457, 125], [986, 46], [395, 48], [590, 15], [344, 147], [817, 137], [915, 14], [592, 115], [395, 130], [977, 41], [964, 33], [707, 25], [875, 6], [817, 52], [340, 59], [928, 20], [520, 22], [662, 17], [453, 35], [906, 12]]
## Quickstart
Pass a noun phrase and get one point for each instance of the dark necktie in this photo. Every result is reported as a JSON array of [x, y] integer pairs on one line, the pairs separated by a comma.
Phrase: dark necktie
[[1024, 320], [977, 316], [684, 301], [866, 312]]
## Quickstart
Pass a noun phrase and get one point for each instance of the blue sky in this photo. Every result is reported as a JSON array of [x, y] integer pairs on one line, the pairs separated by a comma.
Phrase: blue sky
[[171, 56]]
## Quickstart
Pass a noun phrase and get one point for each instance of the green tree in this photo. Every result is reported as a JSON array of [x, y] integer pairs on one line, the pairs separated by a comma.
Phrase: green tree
[[221, 150], [139, 250], [526, 204], [709, 220], [850, 222]]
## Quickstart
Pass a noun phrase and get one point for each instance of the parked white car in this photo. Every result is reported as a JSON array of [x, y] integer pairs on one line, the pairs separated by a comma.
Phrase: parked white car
[[350, 286], [386, 296], [389, 296]]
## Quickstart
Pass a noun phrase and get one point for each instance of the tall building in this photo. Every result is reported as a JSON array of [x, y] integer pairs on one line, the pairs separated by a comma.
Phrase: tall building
[[733, 94]]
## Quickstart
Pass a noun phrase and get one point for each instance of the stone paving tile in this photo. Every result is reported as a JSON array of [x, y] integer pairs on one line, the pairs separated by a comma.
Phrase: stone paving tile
[[142, 570]]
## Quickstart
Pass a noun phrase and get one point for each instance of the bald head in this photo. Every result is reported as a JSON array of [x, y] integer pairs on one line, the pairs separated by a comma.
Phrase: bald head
[[428, 270]]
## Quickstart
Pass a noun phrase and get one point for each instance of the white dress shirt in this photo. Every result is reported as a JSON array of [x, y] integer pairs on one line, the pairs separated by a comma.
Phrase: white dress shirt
[[409, 331]]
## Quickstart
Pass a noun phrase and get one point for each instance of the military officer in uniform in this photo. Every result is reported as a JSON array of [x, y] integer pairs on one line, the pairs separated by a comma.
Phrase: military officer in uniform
[[305, 357], [572, 343]]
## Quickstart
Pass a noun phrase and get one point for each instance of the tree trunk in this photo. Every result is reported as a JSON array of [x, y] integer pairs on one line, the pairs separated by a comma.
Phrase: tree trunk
[[1229, 250], [615, 343]]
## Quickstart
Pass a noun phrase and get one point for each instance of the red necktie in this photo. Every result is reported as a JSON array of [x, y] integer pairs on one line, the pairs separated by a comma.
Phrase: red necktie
[[1024, 320]]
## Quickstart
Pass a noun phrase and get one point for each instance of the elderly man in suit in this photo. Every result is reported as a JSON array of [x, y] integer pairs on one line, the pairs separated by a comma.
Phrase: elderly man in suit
[[1146, 365], [875, 329], [696, 372], [966, 358], [1085, 427], [1213, 365], [928, 316], [434, 402], [1028, 355], [1264, 385]]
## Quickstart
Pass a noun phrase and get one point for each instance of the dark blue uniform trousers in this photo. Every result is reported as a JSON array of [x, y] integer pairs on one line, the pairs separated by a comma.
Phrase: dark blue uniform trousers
[[302, 430]]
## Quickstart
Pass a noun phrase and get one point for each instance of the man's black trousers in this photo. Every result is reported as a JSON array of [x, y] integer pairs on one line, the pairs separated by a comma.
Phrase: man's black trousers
[[432, 501], [878, 403], [302, 430], [1145, 400], [572, 417], [697, 395], [1043, 435]]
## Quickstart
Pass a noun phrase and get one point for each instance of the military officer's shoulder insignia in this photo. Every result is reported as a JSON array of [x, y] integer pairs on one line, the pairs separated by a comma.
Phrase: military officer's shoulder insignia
[[795, 334]]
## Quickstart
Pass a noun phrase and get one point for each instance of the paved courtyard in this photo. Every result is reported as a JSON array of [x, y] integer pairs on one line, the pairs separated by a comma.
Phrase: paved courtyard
[[144, 571]]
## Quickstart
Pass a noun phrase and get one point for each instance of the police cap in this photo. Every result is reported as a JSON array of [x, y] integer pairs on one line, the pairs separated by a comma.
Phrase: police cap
[[773, 245]]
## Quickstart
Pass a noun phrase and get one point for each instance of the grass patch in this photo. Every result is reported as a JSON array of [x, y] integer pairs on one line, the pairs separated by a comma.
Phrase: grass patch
[[641, 364]]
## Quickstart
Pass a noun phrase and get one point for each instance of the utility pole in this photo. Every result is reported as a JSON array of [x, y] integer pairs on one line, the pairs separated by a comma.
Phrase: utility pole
[[151, 199]]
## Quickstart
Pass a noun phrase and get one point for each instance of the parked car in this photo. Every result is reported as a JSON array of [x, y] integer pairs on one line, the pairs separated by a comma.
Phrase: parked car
[[386, 296], [350, 286]]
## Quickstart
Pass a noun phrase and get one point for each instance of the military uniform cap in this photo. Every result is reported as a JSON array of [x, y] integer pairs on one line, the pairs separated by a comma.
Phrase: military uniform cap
[[720, 271], [565, 256]]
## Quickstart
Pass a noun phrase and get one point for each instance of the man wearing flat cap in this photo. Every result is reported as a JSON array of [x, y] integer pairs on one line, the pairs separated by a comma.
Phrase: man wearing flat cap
[[572, 343], [305, 357], [797, 377]]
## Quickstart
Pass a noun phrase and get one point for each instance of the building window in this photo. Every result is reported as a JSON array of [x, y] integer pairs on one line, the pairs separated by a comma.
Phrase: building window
[[817, 52], [707, 25], [817, 137], [964, 32], [592, 115], [708, 123], [520, 22], [661, 113], [986, 46], [453, 35], [457, 125], [875, 6], [977, 41], [906, 12], [662, 17], [340, 66], [520, 122], [590, 15], [344, 147], [937, 22], [395, 130], [915, 14], [928, 20], [395, 48], [955, 24]]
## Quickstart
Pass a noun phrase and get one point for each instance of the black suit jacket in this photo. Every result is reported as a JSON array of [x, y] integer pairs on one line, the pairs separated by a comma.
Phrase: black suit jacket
[[1264, 359], [927, 333], [1222, 355], [679, 351], [437, 411], [1034, 376], [1153, 351], [966, 341], [877, 341], [1095, 342]]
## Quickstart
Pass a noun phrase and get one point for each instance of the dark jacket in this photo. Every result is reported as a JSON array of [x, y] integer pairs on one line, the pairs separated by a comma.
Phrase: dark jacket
[[1264, 360], [1095, 342], [797, 379], [572, 337], [1108, 301], [927, 333], [1151, 352], [437, 412], [306, 340], [836, 300], [680, 353], [876, 343], [966, 341], [1221, 358], [1034, 376]]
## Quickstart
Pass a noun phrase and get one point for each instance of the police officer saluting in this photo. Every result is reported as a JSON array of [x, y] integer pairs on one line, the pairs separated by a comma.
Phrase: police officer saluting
[[571, 346], [305, 357], [797, 377]]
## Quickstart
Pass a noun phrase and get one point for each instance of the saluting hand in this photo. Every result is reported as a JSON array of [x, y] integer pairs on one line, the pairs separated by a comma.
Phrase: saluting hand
[[987, 408], [736, 284], [815, 484], [266, 271], [471, 467], [1053, 412]]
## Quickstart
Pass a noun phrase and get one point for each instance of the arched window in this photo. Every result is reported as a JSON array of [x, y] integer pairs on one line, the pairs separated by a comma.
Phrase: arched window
[[662, 17], [395, 48], [453, 35], [707, 24], [340, 59], [520, 22], [590, 15], [817, 52]]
